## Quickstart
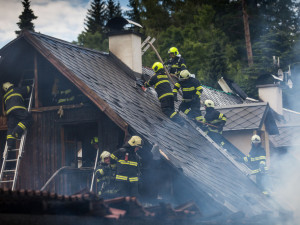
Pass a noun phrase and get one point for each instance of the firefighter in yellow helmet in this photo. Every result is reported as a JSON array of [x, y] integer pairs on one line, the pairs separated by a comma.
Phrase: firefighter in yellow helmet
[[256, 161], [176, 62], [163, 89], [128, 166], [191, 93], [18, 118], [215, 122], [105, 175]]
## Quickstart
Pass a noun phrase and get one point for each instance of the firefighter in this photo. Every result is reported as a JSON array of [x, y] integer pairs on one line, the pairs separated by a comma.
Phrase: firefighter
[[176, 62], [163, 89], [191, 93], [128, 167], [105, 175], [61, 93], [18, 118], [214, 122], [256, 160]]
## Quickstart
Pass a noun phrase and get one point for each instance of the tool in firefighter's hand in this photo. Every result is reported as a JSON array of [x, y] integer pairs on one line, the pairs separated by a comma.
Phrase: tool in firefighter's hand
[[208, 124], [140, 83]]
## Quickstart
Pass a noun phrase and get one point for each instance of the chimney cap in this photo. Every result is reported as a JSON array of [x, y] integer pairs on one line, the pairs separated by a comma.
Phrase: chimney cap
[[118, 23]]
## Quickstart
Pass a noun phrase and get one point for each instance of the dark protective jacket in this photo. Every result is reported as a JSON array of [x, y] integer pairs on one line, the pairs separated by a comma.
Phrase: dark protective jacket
[[127, 164], [177, 65], [215, 118], [105, 175], [161, 84], [14, 98], [191, 88], [256, 159]]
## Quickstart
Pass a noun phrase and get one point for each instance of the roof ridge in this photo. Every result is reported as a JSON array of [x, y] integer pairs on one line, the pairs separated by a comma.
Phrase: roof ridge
[[67, 43]]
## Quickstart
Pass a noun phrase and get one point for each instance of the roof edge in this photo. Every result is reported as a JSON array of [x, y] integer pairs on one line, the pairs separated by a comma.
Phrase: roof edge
[[99, 102]]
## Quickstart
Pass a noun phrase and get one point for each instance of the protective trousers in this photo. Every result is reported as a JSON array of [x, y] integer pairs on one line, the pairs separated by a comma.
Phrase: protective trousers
[[127, 188], [168, 108], [18, 121], [192, 109]]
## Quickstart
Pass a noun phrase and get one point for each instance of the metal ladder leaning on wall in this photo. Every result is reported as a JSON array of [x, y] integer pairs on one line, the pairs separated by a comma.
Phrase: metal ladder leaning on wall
[[18, 153]]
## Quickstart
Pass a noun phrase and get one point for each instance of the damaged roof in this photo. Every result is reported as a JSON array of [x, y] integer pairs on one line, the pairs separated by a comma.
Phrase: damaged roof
[[210, 178]]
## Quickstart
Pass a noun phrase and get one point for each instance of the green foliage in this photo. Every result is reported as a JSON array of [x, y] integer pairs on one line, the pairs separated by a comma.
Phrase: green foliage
[[112, 10], [26, 18], [95, 19], [93, 41]]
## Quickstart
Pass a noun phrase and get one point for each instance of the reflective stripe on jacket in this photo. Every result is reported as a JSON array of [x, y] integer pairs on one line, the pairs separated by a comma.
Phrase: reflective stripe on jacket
[[161, 84], [190, 88], [13, 98], [128, 163]]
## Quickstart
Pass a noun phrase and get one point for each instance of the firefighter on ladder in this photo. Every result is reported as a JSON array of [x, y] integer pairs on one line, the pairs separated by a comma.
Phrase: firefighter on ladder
[[105, 175], [256, 160], [191, 93], [18, 118], [176, 62], [128, 167], [214, 121], [163, 89]]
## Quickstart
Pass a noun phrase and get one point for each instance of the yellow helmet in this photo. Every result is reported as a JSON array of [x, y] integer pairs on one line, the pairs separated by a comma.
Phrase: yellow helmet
[[174, 51], [104, 155], [184, 74], [255, 139], [209, 103], [157, 66], [6, 86], [94, 140], [136, 141]]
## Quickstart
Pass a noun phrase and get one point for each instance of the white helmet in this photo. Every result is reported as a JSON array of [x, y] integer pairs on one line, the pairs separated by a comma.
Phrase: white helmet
[[184, 74], [255, 139], [209, 103], [104, 155], [6, 86]]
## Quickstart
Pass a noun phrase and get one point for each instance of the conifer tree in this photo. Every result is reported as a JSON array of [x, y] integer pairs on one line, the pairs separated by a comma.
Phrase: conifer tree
[[26, 18], [95, 19], [134, 13], [113, 10]]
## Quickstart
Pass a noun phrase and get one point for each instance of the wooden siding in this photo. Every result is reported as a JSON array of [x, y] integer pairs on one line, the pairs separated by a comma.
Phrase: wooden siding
[[44, 150]]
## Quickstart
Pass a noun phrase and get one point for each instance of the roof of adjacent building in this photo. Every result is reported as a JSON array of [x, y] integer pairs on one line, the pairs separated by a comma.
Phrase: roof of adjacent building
[[215, 182]]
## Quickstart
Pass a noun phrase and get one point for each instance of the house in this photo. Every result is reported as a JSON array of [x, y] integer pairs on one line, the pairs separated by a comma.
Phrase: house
[[111, 106]]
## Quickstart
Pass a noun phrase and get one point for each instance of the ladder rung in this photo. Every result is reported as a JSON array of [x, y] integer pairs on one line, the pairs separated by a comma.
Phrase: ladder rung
[[6, 181], [7, 171], [11, 160], [13, 150]]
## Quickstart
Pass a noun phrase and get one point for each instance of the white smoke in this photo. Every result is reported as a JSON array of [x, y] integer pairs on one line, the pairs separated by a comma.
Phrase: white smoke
[[285, 180]]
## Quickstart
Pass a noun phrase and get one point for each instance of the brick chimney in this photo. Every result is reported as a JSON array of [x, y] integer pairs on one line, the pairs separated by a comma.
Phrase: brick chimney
[[271, 93], [126, 45]]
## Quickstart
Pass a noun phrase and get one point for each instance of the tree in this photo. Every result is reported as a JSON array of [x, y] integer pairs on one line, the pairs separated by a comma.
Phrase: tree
[[112, 10], [134, 13], [95, 18], [26, 17]]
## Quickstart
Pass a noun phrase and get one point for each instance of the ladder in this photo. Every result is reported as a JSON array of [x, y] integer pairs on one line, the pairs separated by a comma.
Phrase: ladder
[[242, 167], [12, 157]]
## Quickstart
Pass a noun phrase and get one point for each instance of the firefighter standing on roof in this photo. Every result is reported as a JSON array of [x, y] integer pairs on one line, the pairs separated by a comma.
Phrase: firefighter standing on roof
[[215, 122], [191, 93], [18, 118], [256, 160], [128, 167], [163, 89], [105, 175], [176, 62]]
